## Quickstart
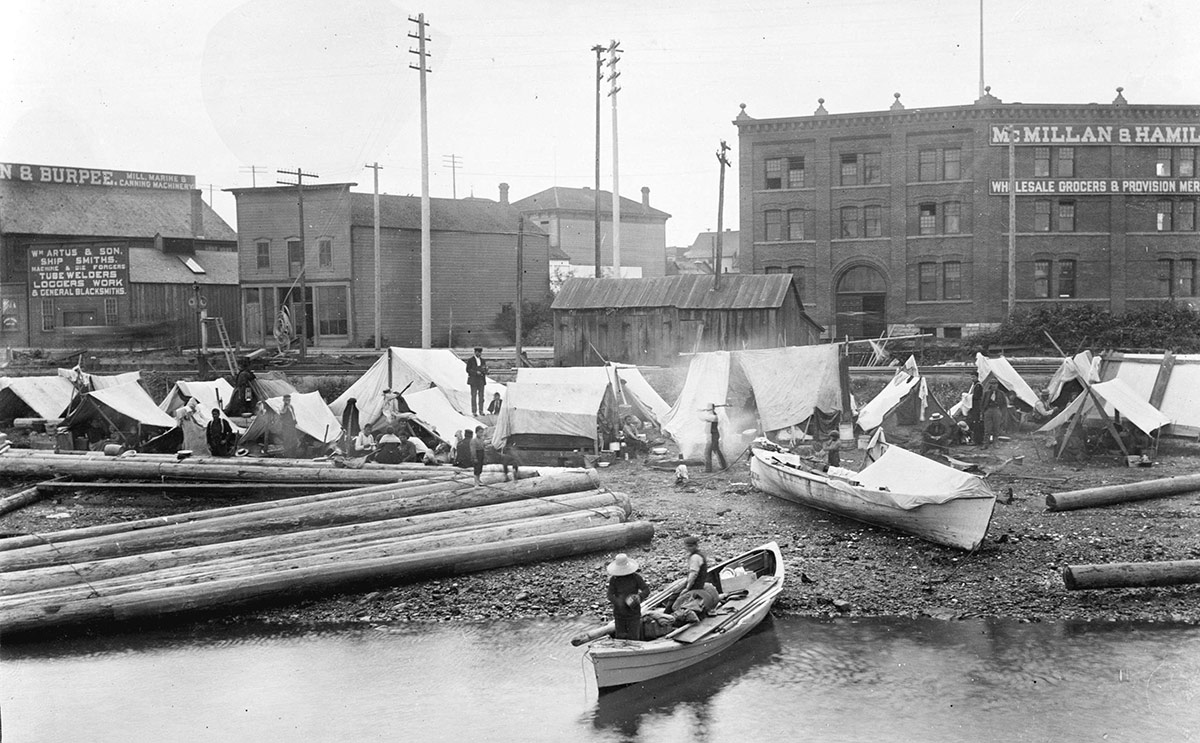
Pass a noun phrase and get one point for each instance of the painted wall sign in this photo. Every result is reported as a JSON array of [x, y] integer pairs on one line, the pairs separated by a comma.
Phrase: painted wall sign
[[78, 271], [1085, 134], [1095, 186], [92, 177]]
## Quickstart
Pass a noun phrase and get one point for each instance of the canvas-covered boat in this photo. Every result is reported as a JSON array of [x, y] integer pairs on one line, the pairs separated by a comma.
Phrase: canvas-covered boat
[[900, 490], [750, 583]]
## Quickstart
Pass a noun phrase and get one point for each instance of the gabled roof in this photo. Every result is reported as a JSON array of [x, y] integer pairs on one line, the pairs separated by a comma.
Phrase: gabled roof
[[149, 266], [559, 198], [445, 215], [54, 209], [690, 291], [701, 248]]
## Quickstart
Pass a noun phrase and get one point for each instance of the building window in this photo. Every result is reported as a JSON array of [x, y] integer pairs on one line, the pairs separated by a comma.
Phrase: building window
[[1041, 162], [1066, 279], [1162, 162], [952, 218], [872, 167], [262, 252], [849, 216], [872, 221], [797, 273], [795, 172], [952, 280], [48, 314], [110, 310], [1163, 216], [849, 170], [1185, 278], [927, 219], [1165, 284], [775, 173], [1185, 216], [1186, 163], [1041, 215], [949, 332], [926, 281], [1066, 162], [774, 224], [325, 252], [927, 165], [795, 224], [332, 312], [1066, 216], [295, 257], [1041, 279], [952, 164], [772, 269]]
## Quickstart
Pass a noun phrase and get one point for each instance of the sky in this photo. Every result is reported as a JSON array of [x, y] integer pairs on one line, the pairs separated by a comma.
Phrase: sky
[[232, 91]]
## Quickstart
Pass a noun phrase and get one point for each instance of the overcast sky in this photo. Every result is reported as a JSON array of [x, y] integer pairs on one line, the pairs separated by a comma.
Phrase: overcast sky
[[213, 88]]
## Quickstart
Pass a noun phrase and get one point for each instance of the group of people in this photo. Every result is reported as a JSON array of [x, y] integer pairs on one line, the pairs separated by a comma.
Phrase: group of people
[[627, 589], [982, 426]]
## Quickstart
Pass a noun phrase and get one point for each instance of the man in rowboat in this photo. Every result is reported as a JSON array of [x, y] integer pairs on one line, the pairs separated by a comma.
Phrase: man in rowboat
[[626, 589], [699, 593]]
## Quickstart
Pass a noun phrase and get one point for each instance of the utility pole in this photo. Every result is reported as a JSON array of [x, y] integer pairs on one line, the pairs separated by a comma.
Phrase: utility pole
[[981, 89], [520, 282], [210, 192], [454, 162], [613, 50], [301, 319], [596, 194], [1012, 219], [253, 170], [426, 249], [378, 277], [724, 160]]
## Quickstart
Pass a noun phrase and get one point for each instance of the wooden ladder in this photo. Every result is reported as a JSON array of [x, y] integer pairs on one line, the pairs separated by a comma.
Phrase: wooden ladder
[[226, 346]]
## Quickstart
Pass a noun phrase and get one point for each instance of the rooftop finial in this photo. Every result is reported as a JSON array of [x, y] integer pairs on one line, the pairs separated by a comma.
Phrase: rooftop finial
[[820, 108], [896, 104], [1120, 99]]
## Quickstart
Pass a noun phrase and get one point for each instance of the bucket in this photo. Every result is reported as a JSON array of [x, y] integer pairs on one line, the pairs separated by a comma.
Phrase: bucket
[[112, 450]]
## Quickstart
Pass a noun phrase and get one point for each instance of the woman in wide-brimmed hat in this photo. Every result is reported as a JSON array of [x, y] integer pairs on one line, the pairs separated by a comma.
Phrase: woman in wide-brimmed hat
[[626, 589]]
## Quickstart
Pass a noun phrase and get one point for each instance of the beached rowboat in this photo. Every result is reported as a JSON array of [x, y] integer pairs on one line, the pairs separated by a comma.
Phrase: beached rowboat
[[752, 582], [900, 490]]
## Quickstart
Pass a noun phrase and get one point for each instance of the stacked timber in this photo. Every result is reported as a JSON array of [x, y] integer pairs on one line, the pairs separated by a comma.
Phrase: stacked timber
[[305, 546]]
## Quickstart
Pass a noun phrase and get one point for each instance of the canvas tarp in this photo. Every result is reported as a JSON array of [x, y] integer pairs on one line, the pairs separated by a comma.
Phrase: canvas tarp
[[688, 420], [1082, 366], [629, 386], [313, 419], [1180, 394], [906, 480], [40, 397], [267, 385], [1008, 376], [437, 415], [1116, 396], [208, 395], [417, 369], [575, 410], [88, 382], [128, 400], [793, 382], [907, 380]]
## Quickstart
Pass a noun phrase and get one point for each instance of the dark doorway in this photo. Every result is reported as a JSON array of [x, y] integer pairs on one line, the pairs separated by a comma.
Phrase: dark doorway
[[861, 304]]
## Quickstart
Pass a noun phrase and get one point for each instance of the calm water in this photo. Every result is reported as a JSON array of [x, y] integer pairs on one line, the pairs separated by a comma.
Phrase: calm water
[[871, 680]]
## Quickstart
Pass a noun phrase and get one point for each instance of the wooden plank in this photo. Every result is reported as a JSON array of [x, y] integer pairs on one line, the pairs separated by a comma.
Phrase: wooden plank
[[1159, 391]]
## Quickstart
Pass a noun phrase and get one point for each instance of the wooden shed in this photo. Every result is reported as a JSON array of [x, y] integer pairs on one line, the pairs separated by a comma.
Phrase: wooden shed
[[652, 321]]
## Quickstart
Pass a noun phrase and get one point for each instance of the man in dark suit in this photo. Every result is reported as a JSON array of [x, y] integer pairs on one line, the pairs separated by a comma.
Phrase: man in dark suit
[[476, 379]]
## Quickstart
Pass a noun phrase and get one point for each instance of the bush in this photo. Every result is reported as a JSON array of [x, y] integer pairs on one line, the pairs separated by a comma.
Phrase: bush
[[537, 323], [1164, 326]]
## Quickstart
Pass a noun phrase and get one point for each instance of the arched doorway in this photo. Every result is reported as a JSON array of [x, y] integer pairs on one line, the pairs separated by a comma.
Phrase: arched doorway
[[861, 299]]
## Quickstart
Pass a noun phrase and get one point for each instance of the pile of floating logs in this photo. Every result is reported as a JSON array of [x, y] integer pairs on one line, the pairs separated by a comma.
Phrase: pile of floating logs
[[304, 546]]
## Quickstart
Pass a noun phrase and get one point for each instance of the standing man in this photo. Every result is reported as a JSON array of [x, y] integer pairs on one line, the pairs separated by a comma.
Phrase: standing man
[[476, 379], [975, 412], [714, 440], [995, 410], [626, 589], [289, 434]]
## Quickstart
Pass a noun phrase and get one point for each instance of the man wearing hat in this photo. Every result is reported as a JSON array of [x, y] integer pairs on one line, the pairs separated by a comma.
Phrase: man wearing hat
[[476, 379], [626, 589], [699, 594], [936, 437]]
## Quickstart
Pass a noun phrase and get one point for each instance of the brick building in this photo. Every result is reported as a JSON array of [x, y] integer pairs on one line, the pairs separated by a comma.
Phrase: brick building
[[898, 219], [473, 245], [92, 257]]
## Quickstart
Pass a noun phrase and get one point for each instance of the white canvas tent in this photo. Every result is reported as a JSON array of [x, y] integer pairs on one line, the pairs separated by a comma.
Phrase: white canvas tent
[[208, 395], [1081, 368], [417, 369], [87, 381], [127, 407], [314, 419], [787, 385], [906, 382], [437, 415], [1117, 397], [629, 386], [34, 397], [1010, 379], [1170, 382], [557, 415]]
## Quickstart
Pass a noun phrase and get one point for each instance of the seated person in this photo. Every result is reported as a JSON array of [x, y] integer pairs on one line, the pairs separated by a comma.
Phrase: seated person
[[936, 436], [631, 431], [391, 448], [364, 443]]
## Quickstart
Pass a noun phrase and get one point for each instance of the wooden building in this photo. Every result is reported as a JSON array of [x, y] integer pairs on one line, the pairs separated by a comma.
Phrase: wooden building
[[652, 321], [110, 258]]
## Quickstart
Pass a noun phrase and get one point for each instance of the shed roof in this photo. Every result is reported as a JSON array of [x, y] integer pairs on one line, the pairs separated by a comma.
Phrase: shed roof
[[559, 198], [149, 266], [56, 209], [690, 291]]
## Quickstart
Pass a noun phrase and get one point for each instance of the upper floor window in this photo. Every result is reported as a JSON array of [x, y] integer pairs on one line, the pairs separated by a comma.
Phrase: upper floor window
[[1162, 161], [926, 282], [295, 253], [1066, 216], [849, 222], [325, 252], [1185, 216], [952, 164], [773, 222], [795, 224], [872, 221], [1041, 215], [952, 280], [1066, 162], [872, 168], [952, 218], [795, 177], [1066, 278], [927, 165], [1041, 279], [849, 170], [1163, 215], [262, 253], [1041, 162], [774, 167], [927, 219], [1186, 162]]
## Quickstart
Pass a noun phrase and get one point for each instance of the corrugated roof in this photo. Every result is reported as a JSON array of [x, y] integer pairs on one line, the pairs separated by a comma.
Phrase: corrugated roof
[[149, 266], [55, 209], [559, 198], [685, 292], [445, 215]]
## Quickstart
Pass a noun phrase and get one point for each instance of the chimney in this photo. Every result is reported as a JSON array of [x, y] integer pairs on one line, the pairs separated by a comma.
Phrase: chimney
[[646, 196], [503, 193], [197, 214]]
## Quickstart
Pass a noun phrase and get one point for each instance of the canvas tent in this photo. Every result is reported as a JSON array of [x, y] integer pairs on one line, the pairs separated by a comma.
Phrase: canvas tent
[[557, 416], [435, 413], [1116, 397], [1170, 382], [906, 390], [314, 420], [1010, 379], [771, 389], [629, 387], [1068, 380], [415, 369], [208, 395], [88, 382], [126, 407], [34, 397]]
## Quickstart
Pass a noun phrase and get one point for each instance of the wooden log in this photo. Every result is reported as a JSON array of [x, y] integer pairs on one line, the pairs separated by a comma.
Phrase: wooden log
[[190, 488], [610, 505], [19, 500], [1109, 494], [374, 507], [1132, 574], [574, 482], [334, 576]]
